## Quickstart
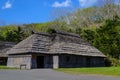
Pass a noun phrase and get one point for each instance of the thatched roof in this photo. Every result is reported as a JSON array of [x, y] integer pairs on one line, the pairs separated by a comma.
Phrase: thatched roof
[[4, 47], [58, 42]]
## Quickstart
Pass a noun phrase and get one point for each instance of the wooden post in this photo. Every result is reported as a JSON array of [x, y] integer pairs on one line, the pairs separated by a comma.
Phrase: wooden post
[[55, 61]]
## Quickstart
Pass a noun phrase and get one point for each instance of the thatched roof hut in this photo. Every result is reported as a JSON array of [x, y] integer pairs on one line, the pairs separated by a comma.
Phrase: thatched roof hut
[[4, 47], [55, 50]]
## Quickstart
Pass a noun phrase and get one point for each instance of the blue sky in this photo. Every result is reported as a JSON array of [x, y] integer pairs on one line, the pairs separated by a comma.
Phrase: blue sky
[[35, 11]]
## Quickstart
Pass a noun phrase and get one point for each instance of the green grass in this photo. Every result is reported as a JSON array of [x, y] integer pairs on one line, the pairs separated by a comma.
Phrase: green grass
[[113, 71], [5, 67]]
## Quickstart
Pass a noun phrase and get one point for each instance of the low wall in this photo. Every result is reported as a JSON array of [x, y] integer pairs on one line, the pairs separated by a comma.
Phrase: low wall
[[19, 60]]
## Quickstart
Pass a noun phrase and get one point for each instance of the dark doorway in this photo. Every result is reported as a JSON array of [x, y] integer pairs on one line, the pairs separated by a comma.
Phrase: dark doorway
[[3, 61], [88, 62], [40, 61]]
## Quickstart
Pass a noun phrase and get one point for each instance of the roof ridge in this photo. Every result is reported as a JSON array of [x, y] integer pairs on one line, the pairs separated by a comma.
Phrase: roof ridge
[[41, 33], [57, 32], [67, 33]]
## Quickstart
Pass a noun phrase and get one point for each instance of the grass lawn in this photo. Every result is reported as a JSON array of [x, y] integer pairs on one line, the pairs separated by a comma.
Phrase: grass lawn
[[5, 67], [113, 71]]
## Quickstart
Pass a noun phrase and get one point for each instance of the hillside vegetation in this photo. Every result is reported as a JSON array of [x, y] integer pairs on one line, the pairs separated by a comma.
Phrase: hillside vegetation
[[100, 26]]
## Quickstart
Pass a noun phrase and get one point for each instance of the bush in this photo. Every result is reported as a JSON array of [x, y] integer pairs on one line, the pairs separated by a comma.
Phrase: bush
[[113, 61]]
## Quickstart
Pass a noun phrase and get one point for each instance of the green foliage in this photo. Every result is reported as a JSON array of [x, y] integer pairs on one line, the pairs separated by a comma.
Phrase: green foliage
[[108, 37], [18, 33], [78, 31], [15, 35], [114, 61], [89, 35]]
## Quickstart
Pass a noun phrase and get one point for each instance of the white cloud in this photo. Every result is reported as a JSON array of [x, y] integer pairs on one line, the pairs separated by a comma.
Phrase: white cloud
[[7, 5], [62, 4], [87, 3], [82, 2]]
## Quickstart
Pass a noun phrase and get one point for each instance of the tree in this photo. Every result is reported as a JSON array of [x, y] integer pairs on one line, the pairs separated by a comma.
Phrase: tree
[[16, 35], [89, 35], [108, 37]]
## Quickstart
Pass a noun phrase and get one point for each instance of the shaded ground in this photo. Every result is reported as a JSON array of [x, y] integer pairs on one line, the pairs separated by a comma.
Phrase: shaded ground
[[48, 74]]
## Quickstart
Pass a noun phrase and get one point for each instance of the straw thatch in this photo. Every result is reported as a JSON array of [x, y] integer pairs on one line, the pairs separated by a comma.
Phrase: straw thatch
[[4, 47], [58, 42]]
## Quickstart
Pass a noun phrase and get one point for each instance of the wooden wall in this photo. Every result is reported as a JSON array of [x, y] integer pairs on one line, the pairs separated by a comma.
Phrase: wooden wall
[[17, 60], [73, 61], [55, 61]]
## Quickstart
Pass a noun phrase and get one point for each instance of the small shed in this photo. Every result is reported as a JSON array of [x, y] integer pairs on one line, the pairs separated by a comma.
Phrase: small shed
[[56, 50], [4, 47]]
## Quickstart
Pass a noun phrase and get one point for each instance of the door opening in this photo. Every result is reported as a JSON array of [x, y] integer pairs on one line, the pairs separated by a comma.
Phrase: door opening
[[40, 61], [88, 62]]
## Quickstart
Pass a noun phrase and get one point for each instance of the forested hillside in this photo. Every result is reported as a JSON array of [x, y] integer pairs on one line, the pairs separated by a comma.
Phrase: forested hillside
[[100, 26]]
